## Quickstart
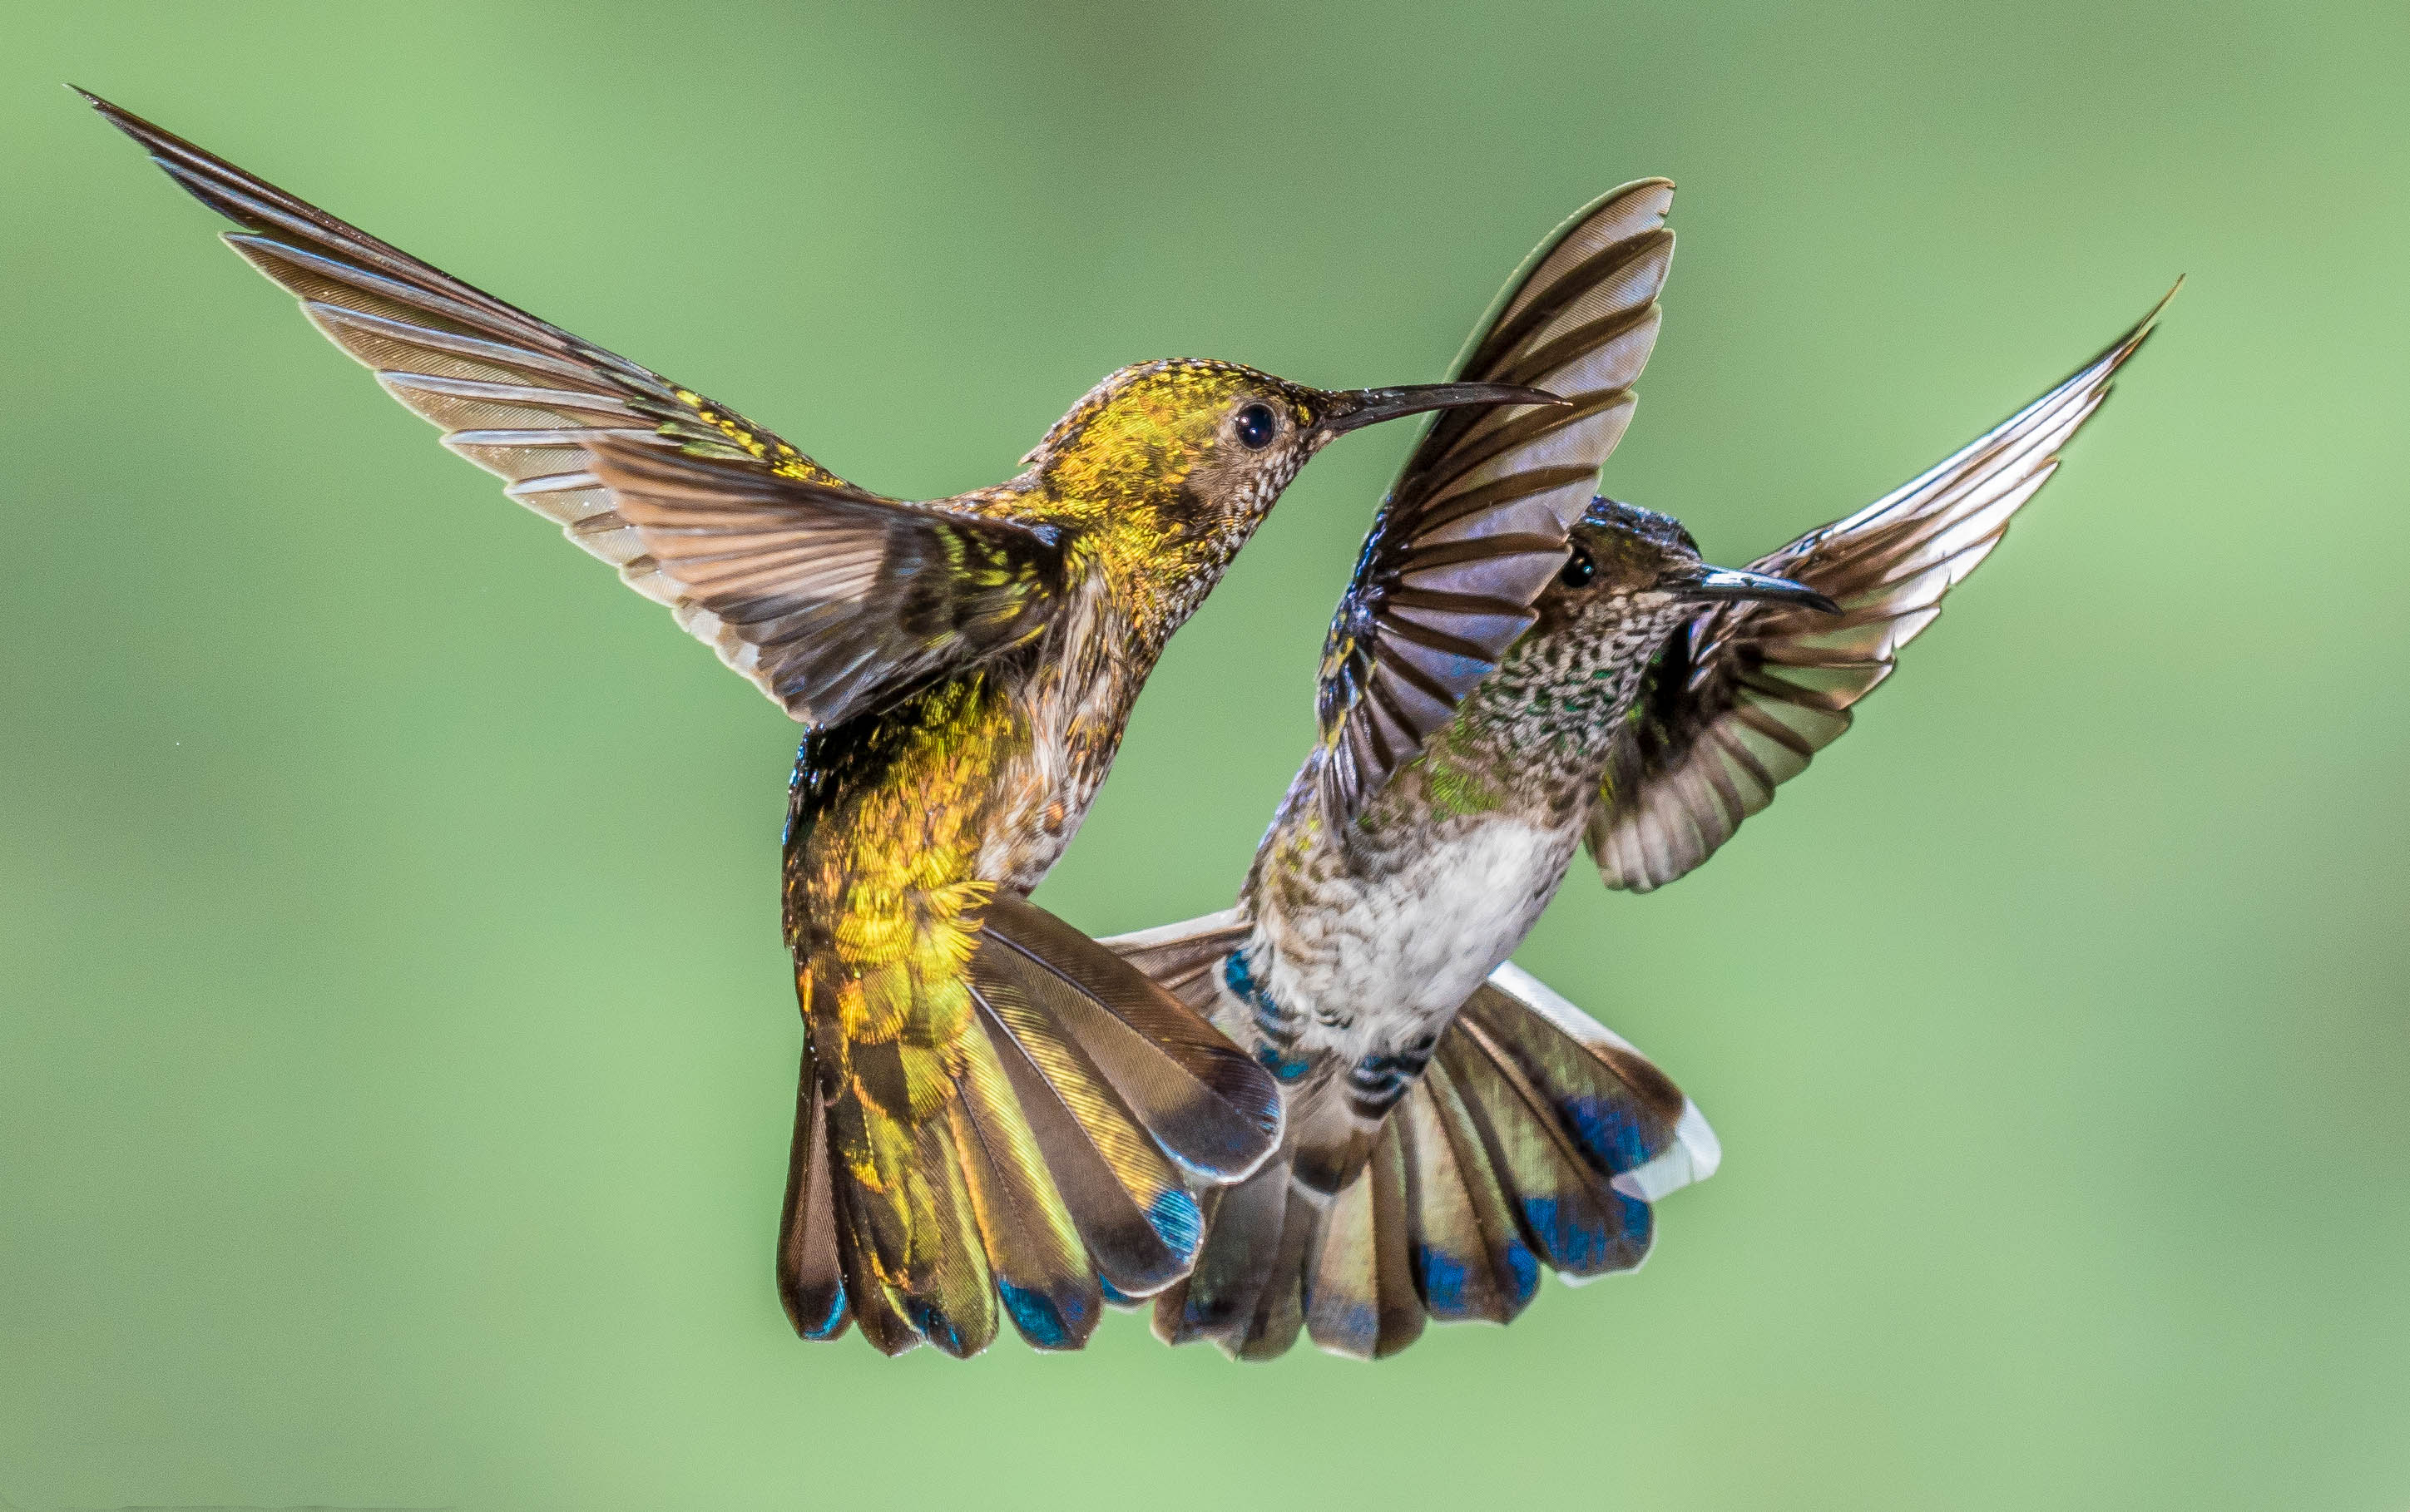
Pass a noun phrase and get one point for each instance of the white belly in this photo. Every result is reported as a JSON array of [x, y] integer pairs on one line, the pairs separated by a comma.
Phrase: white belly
[[1371, 964]]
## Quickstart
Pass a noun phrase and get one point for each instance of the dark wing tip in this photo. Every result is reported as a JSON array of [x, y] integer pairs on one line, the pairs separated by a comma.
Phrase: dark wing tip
[[126, 120], [2099, 375], [2113, 356], [2143, 328], [203, 174], [2132, 343]]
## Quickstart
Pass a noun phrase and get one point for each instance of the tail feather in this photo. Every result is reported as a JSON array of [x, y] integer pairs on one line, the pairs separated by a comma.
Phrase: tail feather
[[1628, 1117], [1568, 1214], [1124, 1195], [1185, 958], [1273, 1323], [1469, 1257], [811, 1278], [892, 1138], [1002, 1128], [1534, 1136], [1139, 1223], [1043, 1275], [1330, 1138], [1209, 1105], [875, 1309], [1361, 1297], [953, 1301], [1242, 1229]]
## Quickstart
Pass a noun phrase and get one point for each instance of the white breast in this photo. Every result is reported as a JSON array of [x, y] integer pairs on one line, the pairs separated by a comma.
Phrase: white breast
[[1374, 963]]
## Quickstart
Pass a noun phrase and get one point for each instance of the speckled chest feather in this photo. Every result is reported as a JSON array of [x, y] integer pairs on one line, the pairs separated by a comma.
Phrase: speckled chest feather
[[1364, 944]]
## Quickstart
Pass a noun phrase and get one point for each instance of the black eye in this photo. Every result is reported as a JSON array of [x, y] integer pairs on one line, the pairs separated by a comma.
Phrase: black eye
[[1256, 423], [1578, 570]]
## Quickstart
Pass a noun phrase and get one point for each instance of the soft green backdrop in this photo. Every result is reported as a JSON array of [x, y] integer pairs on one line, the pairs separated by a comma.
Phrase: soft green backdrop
[[396, 1052]]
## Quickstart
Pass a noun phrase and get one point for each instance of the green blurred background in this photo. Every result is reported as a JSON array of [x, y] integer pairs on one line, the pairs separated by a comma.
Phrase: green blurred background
[[396, 1055]]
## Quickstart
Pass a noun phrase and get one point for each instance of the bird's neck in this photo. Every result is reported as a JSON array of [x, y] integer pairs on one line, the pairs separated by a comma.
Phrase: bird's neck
[[1075, 688], [1475, 771], [1546, 718], [1529, 745], [1135, 540]]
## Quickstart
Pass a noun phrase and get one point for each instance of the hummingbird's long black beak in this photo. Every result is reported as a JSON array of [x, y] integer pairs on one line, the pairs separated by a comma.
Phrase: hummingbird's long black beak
[[1712, 582], [1356, 408]]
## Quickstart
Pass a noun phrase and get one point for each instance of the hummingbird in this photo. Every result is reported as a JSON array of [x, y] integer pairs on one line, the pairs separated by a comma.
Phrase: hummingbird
[[997, 1118], [1453, 1125]]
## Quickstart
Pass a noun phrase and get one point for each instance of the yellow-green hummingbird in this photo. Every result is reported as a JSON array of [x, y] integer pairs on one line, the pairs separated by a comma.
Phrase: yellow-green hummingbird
[[1453, 1125], [995, 1116]]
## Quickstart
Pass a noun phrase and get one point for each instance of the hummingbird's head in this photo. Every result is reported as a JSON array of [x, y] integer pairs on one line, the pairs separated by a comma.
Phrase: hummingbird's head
[[1632, 578], [1169, 467]]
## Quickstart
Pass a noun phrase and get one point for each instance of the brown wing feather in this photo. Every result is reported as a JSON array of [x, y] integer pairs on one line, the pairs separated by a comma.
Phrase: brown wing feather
[[1476, 525], [1748, 693], [832, 602], [517, 396]]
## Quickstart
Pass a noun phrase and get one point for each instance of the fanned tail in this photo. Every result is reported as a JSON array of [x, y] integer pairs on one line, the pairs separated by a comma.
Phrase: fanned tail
[[1185, 960], [1023, 1137], [1535, 1137]]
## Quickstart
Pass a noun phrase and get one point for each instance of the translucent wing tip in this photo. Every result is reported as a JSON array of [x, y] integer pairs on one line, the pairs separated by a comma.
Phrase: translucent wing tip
[[2166, 299], [2132, 343]]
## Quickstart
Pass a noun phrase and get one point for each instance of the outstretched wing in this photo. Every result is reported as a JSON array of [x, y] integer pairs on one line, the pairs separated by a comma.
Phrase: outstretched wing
[[1476, 526], [832, 602], [1748, 692], [529, 401]]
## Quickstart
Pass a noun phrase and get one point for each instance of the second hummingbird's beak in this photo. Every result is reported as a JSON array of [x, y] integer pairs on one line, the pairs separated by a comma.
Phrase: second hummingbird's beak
[[1356, 408], [1713, 583]]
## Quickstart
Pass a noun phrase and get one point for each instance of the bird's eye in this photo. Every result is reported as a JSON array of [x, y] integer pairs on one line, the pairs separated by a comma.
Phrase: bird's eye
[[1578, 570], [1256, 423]]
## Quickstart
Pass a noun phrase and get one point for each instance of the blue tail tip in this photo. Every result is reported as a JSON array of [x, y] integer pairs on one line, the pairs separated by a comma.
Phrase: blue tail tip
[[1176, 1220], [1045, 1323], [934, 1326]]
